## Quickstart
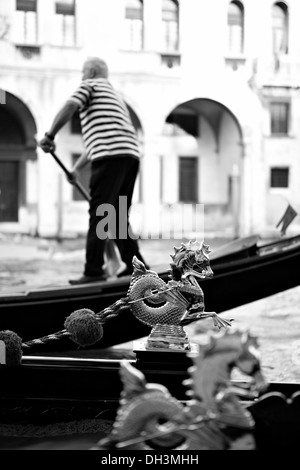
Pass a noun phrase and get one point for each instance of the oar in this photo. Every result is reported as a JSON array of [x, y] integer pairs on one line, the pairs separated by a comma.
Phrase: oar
[[112, 258], [69, 175]]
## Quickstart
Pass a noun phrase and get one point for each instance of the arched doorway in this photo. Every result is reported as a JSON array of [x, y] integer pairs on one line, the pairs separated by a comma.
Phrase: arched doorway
[[202, 148], [17, 145]]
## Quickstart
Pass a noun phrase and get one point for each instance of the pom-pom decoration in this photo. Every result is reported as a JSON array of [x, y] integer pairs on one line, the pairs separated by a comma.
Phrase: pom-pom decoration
[[13, 348], [83, 327]]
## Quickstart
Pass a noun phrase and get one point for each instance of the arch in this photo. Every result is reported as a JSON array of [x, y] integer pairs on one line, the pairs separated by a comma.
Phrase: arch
[[134, 8], [206, 157], [133, 38], [210, 109], [134, 115], [170, 19], [235, 22], [20, 114], [170, 5], [17, 145], [280, 26], [135, 119], [11, 130]]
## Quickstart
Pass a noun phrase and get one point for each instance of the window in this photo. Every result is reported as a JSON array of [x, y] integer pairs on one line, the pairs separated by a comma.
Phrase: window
[[85, 174], [280, 28], [280, 118], [188, 179], [26, 27], [170, 19], [65, 19], [279, 177], [235, 21], [134, 25]]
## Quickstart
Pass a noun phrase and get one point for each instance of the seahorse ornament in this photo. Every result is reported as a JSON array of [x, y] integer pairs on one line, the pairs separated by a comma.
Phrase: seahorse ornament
[[168, 307], [213, 418]]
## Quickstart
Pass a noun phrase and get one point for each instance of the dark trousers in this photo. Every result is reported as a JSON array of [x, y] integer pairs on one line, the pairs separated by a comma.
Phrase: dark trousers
[[110, 179]]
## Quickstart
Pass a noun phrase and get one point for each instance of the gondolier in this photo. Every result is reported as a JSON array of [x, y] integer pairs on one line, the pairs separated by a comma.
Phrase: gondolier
[[112, 147]]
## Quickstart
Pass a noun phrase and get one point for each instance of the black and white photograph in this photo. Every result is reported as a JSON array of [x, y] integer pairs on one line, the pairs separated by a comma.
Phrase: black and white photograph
[[149, 228]]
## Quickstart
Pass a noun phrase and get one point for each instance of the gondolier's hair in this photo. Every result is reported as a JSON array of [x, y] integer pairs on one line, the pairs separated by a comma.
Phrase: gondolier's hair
[[99, 65]]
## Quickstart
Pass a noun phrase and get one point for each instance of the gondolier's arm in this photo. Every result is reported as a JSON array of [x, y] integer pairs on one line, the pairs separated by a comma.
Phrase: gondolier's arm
[[62, 117]]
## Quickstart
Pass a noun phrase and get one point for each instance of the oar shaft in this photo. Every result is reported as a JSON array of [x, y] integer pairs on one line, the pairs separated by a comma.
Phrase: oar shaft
[[82, 190], [109, 248], [78, 185]]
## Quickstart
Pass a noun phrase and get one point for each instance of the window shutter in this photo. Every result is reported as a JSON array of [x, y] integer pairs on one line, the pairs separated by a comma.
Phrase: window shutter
[[279, 177], [169, 11], [279, 118], [134, 10], [66, 7], [27, 5]]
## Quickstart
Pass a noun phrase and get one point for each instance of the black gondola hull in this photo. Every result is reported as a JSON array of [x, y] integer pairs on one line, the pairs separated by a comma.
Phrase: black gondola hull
[[240, 276]]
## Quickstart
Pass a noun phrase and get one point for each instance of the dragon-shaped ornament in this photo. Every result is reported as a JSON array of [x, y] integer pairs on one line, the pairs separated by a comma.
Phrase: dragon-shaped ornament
[[168, 307], [214, 417]]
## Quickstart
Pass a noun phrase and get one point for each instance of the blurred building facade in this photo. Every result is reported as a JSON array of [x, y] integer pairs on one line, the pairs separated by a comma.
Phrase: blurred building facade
[[213, 88]]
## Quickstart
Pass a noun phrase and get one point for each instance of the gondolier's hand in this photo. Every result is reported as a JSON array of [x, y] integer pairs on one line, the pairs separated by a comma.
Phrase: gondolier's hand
[[47, 143]]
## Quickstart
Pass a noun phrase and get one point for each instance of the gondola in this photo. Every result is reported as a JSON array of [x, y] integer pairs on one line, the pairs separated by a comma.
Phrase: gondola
[[62, 382], [245, 270], [86, 385]]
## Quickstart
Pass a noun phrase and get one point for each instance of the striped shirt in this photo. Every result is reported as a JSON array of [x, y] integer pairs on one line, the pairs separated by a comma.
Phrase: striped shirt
[[107, 129]]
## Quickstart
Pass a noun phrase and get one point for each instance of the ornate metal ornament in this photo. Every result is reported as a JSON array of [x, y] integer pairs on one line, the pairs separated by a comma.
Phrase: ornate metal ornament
[[168, 307], [150, 418]]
